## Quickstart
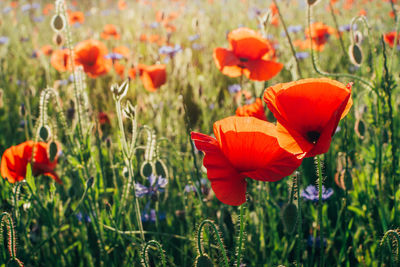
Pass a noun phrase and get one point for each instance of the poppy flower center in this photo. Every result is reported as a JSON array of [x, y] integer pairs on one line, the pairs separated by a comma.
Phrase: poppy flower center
[[243, 59], [313, 136]]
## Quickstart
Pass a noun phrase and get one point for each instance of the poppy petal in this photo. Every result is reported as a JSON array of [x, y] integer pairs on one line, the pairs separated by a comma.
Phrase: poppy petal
[[262, 70], [227, 62], [252, 148], [228, 185], [247, 43]]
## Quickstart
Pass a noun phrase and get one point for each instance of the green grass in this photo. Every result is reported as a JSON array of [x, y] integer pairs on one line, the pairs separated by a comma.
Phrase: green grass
[[359, 222]]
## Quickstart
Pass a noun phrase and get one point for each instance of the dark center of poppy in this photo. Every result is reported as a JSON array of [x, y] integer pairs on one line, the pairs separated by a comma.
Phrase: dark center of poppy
[[313, 136], [243, 59]]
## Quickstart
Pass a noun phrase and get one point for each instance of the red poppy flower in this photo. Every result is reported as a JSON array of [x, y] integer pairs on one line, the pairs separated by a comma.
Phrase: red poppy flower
[[255, 109], [60, 60], [76, 17], [90, 54], [16, 158], [248, 54], [110, 31], [122, 50], [244, 147], [103, 118], [119, 69], [153, 76], [308, 112], [122, 5], [47, 8], [46, 50], [390, 37], [319, 34]]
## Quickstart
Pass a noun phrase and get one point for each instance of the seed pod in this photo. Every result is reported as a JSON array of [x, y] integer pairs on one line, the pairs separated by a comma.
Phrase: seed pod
[[204, 261], [359, 128], [53, 149], [58, 22], [90, 182], [311, 2], [355, 54], [161, 169], [147, 169], [44, 133], [289, 217], [58, 39], [358, 37], [348, 180], [125, 172]]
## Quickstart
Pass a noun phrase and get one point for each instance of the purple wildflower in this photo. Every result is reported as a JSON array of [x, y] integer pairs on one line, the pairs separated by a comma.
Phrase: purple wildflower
[[156, 185], [4, 40], [311, 193], [194, 37], [169, 50], [114, 56], [302, 55], [234, 88]]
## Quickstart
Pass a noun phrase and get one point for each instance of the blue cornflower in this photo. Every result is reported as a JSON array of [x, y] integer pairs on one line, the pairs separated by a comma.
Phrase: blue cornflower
[[4, 40], [193, 37], [346, 27], [295, 28], [7, 10], [80, 217], [156, 185], [154, 25], [234, 88], [311, 240], [35, 6], [302, 55], [311, 193], [25, 7], [169, 50], [38, 19], [114, 56], [197, 46], [151, 216]]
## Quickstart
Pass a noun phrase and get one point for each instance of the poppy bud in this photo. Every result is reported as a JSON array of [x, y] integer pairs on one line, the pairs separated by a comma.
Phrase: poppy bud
[[161, 169], [44, 132], [311, 2], [90, 182], [125, 172], [58, 22], [355, 54], [108, 142], [22, 110], [359, 128], [147, 169], [53, 149], [120, 91], [358, 37], [289, 217], [58, 39], [385, 136], [129, 110], [204, 261], [348, 180]]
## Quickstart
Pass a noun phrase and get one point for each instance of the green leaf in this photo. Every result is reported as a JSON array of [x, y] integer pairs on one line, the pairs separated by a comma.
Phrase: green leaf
[[29, 178]]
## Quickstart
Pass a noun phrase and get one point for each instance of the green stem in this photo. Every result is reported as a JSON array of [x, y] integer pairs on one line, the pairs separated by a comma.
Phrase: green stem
[[241, 236], [289, 39], [219, 240], [321, 230], [337, 28], [145, 253], [323, 73], [299, 225]]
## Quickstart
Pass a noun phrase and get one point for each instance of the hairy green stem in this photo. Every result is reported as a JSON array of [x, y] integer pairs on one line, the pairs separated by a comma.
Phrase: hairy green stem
[[219, 240], [323, 73], [321, 229], [289, 39], [241, 236]]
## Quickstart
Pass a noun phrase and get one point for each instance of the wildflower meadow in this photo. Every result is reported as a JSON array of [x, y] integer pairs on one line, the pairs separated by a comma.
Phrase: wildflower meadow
[[200, 133]]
